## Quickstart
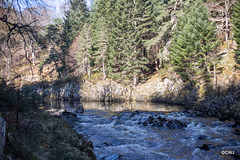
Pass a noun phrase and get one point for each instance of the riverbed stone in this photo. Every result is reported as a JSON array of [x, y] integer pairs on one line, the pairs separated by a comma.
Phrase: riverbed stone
[[115, 156], [150, 119], [236, 124], [107, 143], [68, 114], [236, 154], [69, 117], [163, 122], [237, 132], [205, 147], [202, 137], [145, 123], [175, 124]]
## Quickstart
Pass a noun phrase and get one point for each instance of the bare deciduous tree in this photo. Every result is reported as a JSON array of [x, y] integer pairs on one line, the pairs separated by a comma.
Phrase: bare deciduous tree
[[19, 22]]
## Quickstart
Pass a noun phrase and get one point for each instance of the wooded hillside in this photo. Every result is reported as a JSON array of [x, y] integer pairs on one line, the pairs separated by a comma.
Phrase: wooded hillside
[[126, 41]]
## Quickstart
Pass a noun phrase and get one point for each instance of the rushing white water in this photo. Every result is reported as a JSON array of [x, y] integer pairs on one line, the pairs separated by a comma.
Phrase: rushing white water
[[120, 129]]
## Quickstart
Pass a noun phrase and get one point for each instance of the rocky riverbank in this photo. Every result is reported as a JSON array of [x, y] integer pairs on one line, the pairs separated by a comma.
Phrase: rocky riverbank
[[225, 107], [169, 91], [46, 137], [166, 91]]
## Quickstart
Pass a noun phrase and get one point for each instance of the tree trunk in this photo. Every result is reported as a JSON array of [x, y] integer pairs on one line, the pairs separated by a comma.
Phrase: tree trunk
[[134, 79], [87, 67], [156, 65], [215, 77], [135, 51], [33, 53], [103, 68], [8, 66], [226, 16], [89, 72]]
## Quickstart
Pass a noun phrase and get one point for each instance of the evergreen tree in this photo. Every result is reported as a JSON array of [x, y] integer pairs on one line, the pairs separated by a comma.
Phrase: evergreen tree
[[100, 24], [165, 13], [83, 54], [141, 24], [54, 32], [122, 27], [74, 19], [101, 45], [236, 29], [118, 27], [131, 27], [53, 41], [193, 41]]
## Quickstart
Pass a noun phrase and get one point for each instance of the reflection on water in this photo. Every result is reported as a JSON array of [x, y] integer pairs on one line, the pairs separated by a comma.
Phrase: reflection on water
[[115, 107], [119, 129]]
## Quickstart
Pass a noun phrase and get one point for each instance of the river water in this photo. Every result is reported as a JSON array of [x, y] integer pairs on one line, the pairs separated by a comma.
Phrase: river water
[[125, 129]]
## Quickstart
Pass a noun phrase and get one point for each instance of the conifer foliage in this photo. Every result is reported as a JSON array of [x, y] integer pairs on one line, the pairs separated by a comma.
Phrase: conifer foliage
[[236, 29], [193, 41], [75, 18], [124, 39], [120, 30], [100, 31], [84, 45]]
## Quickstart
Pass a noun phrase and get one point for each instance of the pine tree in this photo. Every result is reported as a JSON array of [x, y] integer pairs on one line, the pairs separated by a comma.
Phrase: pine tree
[[193, 41], [74, 19], [141, 28], [236, 29], [131, 26], [83, 54], [118, 36], [101, 45], [165, 13], [54, 40], [100, 24]]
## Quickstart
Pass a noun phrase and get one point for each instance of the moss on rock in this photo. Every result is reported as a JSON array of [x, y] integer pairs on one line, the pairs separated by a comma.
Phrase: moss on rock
[[47, 138]]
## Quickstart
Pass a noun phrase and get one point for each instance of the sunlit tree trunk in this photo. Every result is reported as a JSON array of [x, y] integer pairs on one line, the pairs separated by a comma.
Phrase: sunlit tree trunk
[[134, 79], [33, 53], [135, 50], [156, 65], [8, 66], [103, 62], [215, 77], [89, 71], [226, 19]]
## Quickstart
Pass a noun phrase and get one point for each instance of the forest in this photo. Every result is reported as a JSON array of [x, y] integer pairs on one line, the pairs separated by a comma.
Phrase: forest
[[123, 41], [178, 52]]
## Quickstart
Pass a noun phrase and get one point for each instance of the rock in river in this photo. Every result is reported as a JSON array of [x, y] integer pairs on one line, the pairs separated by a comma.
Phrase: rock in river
[[163, 122], [111, 157]]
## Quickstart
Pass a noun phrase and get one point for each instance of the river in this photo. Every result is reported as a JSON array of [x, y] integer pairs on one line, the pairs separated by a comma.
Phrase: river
[[135, 131]]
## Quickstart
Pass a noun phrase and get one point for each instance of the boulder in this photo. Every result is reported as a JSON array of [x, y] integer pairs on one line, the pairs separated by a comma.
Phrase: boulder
[[69, 117], [175, 124], [237, 132], [202, 137], [205, 147], [236, 154], [68, 114], [163, 122]]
